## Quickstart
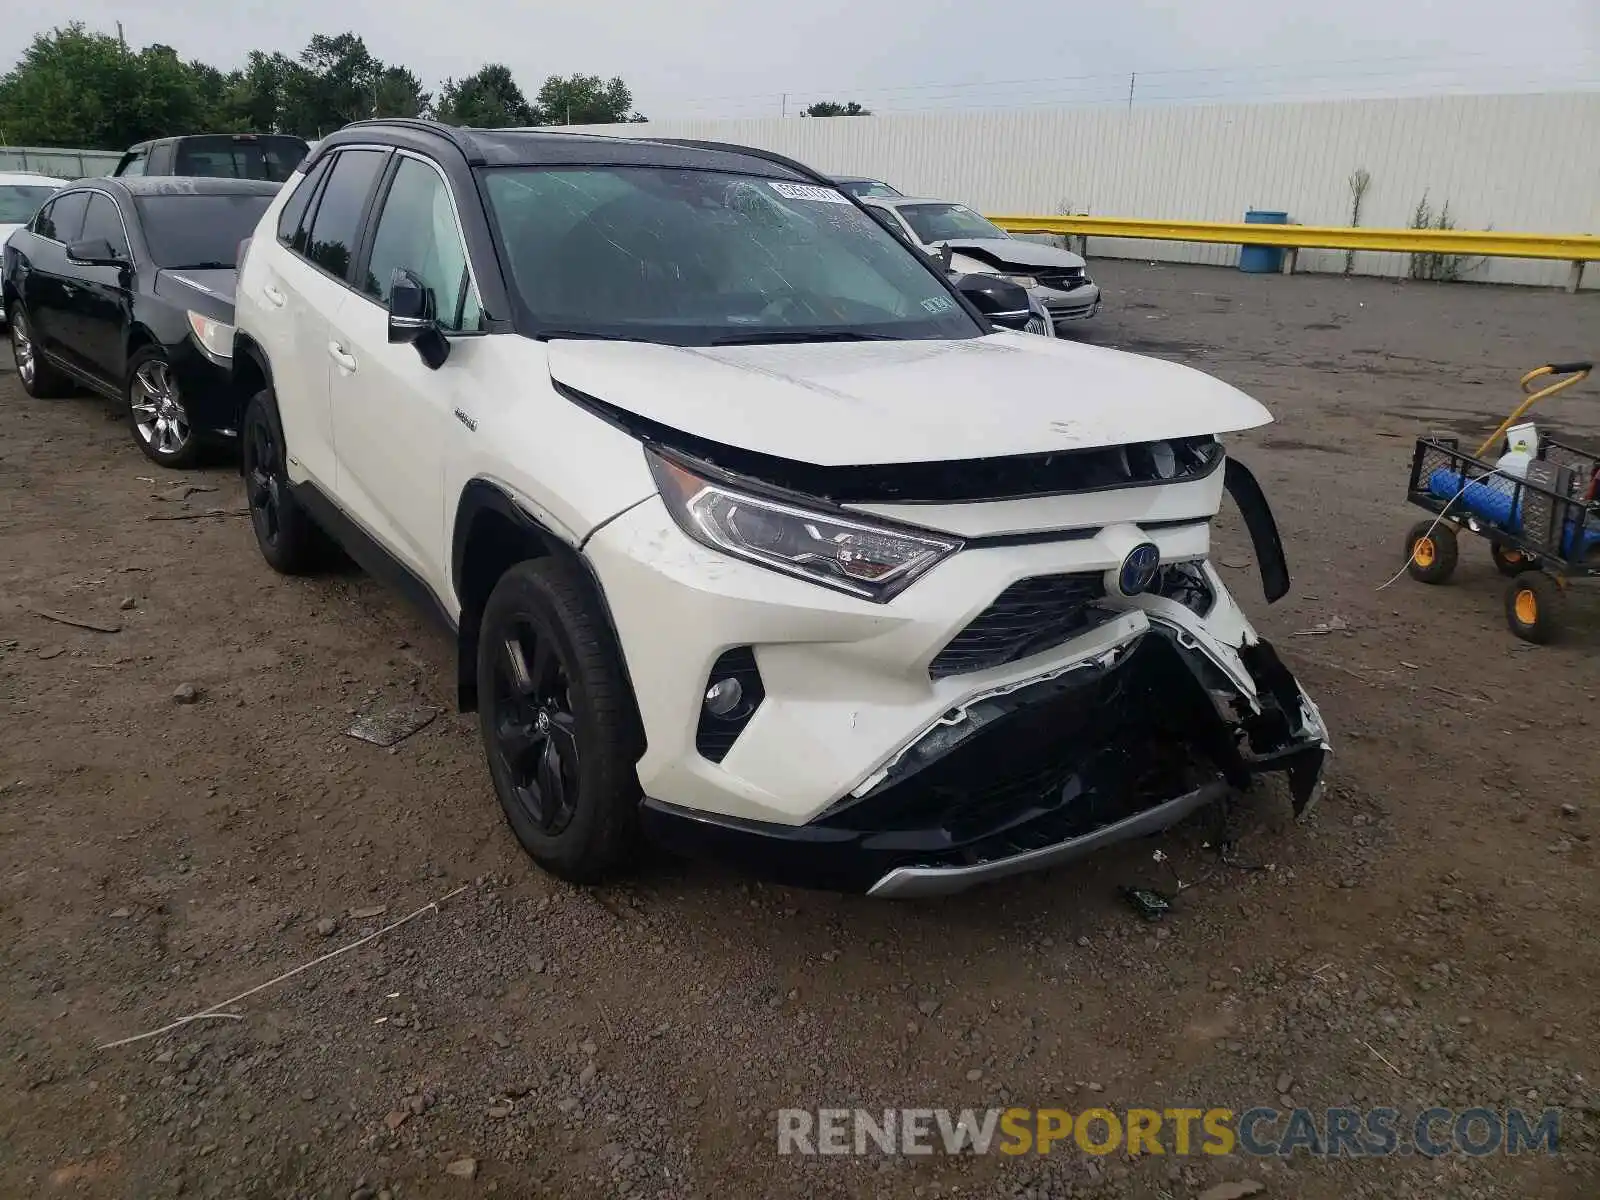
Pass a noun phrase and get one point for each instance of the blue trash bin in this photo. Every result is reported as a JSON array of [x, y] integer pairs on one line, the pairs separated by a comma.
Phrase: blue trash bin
[[1262, 260]]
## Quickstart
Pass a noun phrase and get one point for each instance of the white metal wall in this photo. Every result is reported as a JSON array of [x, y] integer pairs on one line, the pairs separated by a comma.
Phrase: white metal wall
[[1523, 162], [64, 164]]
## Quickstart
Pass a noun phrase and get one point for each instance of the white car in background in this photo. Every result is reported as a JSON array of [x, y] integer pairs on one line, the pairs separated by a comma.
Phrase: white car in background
[[1057, 279], [21, 194]]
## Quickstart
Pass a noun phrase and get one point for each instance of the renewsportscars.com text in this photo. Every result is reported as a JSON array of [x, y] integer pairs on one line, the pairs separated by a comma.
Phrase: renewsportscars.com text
[[1257, 1132]]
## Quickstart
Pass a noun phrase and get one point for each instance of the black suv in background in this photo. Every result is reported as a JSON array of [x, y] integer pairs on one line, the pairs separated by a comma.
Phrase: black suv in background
[[272, 156]]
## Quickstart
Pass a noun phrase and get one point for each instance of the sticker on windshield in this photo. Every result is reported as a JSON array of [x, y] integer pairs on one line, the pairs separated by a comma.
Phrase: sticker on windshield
[[805, 191], [937, 304]]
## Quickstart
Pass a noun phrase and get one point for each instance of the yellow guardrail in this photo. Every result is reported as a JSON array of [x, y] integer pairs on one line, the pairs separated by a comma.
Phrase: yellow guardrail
[[1576, 248]]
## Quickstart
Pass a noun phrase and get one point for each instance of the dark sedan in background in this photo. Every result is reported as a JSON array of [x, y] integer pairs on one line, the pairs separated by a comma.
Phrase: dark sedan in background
[[125, 286]]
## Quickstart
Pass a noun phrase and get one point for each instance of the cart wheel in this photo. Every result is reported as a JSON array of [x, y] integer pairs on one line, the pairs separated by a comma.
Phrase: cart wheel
[[1431, 552], [1510, 561], [1534, 602]]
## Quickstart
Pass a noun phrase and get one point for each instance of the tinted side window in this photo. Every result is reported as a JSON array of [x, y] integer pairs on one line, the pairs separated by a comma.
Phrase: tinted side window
[[292, 218], [336, 227], [103, 221], [244, 156], [44, 222], [160, 162], [65, 217], [417, 233]]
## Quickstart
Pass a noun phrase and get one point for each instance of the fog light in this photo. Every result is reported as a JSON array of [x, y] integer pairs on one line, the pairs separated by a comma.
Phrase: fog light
[[733, 692], [724, 697]]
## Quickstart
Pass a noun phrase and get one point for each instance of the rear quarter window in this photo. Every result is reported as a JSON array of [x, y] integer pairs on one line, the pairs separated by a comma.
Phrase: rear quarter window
[[293, 215], [336, 223], [63, 220]]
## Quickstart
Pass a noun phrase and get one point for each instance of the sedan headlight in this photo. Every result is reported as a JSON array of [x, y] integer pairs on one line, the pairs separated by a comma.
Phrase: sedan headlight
[[215, 337], [1027, 281], [867, 559]]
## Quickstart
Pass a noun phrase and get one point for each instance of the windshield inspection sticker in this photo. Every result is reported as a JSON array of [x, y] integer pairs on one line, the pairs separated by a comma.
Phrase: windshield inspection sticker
[[806, 191], [937, 304]]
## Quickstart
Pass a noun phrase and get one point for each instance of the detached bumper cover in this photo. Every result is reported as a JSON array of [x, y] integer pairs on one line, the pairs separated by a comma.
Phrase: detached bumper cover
[[1040, 773]]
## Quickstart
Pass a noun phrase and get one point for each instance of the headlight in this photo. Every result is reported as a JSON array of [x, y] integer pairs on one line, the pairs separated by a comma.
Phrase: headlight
[[215, 337], [1027, 281], [874, 561]]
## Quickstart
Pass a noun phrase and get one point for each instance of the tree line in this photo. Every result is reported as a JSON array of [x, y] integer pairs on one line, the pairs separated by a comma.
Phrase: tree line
[[88, 90]]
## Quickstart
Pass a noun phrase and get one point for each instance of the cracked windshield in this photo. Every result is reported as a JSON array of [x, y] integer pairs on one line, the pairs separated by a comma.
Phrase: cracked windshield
[[703, 258]]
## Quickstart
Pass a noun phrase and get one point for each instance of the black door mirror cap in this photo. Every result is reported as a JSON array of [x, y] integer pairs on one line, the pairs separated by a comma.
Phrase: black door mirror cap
[[95, 252], [412, 319]]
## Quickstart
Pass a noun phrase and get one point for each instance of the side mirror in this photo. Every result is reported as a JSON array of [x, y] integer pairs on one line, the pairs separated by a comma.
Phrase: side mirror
[[1001, 302], [412, 320], [95, 252]]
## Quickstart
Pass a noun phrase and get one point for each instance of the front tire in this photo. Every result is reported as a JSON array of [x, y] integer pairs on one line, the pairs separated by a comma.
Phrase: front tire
[[289, 540], [160, 424], [558, 723], [1534, 604], [1431, 552], [39, 378]]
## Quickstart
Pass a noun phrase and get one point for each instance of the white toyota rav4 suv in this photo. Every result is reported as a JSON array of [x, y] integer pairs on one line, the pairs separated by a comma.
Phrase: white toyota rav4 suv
[[757, 537]]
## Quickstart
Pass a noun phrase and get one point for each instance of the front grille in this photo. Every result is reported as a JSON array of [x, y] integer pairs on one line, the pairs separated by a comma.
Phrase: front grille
[[1062, 308], [1062, 279], [1029, 616]]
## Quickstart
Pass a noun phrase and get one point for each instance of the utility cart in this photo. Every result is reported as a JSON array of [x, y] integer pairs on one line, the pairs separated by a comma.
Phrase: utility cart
[[1535, 502]]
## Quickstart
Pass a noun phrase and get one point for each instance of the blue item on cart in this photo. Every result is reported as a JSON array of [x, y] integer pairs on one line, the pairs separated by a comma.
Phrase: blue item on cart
[[1496, 500]]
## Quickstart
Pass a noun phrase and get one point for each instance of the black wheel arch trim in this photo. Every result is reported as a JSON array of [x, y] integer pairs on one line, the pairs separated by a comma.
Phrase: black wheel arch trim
[[483, 495], [1241, 484], [246, 347]]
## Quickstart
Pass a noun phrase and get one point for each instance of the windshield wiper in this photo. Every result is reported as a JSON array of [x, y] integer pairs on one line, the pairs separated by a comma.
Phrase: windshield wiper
[[206, 266], [577, 335], [765, 337]]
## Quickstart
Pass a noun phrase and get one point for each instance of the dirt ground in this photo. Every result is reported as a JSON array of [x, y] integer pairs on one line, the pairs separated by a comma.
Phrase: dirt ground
[[1428, 936]]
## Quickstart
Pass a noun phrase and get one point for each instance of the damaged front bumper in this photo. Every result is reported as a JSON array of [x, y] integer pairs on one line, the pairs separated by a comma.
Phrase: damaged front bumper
[[1042, 772]]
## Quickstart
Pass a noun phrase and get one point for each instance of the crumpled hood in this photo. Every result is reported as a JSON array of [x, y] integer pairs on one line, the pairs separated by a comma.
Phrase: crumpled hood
[[1015, 252], [853, 403]]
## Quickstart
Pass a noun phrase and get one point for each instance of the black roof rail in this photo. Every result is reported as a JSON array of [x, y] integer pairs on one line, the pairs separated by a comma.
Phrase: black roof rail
[[749, 151], [456, 135]]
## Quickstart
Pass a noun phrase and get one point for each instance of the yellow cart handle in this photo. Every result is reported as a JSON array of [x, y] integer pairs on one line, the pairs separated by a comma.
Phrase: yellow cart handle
[[1575, 372]]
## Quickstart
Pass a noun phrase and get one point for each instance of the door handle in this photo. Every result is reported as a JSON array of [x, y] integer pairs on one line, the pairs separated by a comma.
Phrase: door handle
[[273, 295], [341, 356]]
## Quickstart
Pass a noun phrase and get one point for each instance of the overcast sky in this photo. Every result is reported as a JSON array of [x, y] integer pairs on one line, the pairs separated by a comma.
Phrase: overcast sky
[[719, 57]]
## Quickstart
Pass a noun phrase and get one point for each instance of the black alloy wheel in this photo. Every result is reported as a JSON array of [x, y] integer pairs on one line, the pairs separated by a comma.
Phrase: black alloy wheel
[[535, 728], [290, 543], [559, 723]]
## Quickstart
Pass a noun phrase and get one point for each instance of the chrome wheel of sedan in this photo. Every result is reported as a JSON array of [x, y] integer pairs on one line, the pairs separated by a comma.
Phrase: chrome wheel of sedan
[[39, 378], [158, 414], [22, 348]]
